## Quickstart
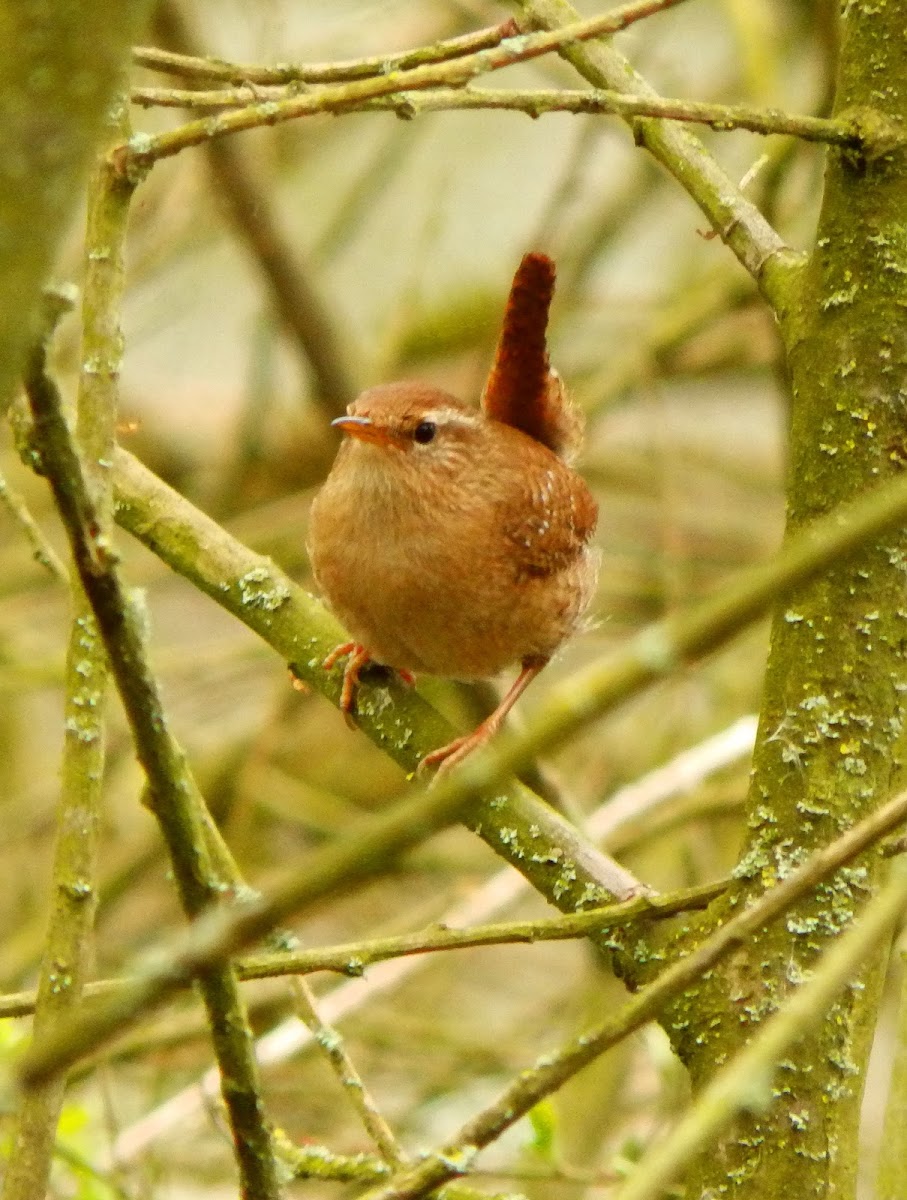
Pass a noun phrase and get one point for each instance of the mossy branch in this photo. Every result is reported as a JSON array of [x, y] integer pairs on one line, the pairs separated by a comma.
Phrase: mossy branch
[[172, 793]]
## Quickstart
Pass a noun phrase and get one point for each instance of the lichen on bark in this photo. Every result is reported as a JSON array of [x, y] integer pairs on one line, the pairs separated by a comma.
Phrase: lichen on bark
[[831, 741]]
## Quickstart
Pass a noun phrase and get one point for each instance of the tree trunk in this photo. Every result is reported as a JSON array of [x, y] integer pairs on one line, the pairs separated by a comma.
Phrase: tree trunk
[[831, 736]]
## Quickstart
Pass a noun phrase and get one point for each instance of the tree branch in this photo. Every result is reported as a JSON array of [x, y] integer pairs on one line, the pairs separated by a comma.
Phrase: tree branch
[[172, 792], [849, 130], [352, 958], [189, 65], [738, 222], [142, 150]]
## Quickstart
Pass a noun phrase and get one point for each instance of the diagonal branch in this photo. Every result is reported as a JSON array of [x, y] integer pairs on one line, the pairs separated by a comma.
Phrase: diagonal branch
[[351, 958], [190, 65], [739, 223]]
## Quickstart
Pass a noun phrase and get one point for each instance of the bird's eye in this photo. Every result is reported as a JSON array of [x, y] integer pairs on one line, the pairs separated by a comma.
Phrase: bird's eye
[[425, 432]]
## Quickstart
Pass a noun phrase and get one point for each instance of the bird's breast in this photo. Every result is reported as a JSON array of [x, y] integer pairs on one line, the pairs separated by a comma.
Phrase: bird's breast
[[461, 583]]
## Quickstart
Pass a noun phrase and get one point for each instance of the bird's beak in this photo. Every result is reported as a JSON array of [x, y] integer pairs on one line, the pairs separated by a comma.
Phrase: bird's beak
[[365, 429]]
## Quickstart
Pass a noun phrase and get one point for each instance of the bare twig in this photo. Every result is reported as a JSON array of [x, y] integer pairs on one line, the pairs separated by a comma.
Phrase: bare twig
[[352, 958], [135, 156], [842, 131], [194, 66], [331, 1044], [846, 131], [42, 551]]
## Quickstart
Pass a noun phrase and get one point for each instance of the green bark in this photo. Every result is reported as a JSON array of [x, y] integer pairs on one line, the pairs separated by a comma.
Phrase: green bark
[[831, 737], [60, 64]]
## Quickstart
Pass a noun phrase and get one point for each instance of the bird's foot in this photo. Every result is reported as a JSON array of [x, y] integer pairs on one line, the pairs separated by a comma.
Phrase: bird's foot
[[358, 658], [445, 758]]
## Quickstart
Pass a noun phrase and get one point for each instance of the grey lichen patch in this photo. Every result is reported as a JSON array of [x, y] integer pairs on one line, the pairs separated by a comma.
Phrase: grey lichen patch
[[803, 925], [799, 1119], [550, 857], [761, 816], [565, 880], [592, 895], [510, 838], [855, 765], [259, 589], [752, 864], [85, 730], [374, 702], [841, 298], [811, 808]]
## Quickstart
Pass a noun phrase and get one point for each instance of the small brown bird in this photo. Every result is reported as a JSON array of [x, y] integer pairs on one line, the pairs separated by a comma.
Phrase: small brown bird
[[453, 540]]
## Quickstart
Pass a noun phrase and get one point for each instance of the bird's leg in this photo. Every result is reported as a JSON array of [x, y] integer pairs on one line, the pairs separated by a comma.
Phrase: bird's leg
[[359, 659], [446, 757]]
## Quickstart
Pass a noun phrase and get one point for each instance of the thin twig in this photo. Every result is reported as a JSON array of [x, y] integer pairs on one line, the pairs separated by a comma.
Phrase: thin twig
[[42, 551], [842, 131], [331, 1045], [138, 154], [352, 958], [193, 66], [536, 102]]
